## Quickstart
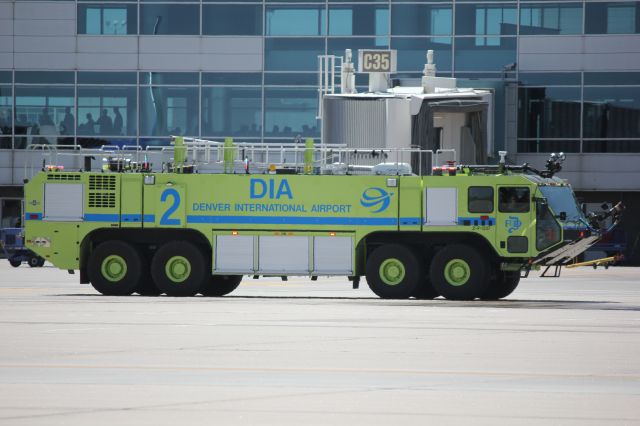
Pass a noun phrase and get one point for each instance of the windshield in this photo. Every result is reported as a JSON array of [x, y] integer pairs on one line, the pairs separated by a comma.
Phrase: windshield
[[562, 199]]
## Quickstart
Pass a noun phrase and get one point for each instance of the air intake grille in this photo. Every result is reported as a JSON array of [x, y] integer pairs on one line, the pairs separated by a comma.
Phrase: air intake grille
[[102, 199], [102, 183], [63, 176], [102, 191]]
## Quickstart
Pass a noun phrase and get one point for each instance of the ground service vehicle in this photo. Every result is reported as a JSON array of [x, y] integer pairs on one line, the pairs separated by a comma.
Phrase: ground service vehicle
[[462, 232], [12, 244]]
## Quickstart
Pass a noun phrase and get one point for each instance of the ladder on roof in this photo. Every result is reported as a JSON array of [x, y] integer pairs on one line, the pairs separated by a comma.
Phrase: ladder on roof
[[329, 70]]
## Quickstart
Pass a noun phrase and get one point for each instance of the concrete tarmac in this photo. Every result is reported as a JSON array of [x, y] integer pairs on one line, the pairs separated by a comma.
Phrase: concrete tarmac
[[558, 351]]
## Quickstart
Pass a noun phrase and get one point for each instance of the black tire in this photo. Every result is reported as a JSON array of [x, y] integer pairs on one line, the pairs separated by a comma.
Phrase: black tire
[[40, 262], [179, 269], [503, 285], [393, 272], [146, 287], [458, 272], [220, 285], [34, 261], [425, 290], [15, 263], [111, 257]]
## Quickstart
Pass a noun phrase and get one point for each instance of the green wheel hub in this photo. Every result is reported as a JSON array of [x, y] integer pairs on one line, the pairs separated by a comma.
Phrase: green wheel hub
[[392, 271], [114, 268], [178, 269], [457, 272]]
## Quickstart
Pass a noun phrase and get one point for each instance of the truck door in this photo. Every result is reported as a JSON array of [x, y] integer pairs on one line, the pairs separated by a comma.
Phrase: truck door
[[514, 225], [131, 196]]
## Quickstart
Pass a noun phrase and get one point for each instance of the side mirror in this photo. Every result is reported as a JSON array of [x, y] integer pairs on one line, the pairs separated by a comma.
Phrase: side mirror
[[563, 216]]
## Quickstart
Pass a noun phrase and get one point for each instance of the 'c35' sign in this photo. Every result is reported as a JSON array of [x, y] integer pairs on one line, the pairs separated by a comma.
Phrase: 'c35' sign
[[377, 61]]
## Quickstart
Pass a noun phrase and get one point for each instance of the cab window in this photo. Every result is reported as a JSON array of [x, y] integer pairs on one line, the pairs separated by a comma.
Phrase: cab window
[[480, 199], [513, 199]]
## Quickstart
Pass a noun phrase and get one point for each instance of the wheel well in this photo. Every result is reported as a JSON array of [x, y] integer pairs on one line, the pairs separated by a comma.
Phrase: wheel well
[[148, 240]]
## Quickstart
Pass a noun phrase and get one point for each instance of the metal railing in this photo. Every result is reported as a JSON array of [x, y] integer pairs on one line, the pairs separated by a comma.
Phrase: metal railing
[[207, 156]]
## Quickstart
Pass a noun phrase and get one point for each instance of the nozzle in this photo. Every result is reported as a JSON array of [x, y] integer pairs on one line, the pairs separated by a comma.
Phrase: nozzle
[[503, 156], [503, 160]]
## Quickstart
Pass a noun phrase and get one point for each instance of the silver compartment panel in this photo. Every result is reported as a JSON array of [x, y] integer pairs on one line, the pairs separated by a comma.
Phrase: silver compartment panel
[[282, 254], [234, 253], [333, 255], [63, 202], [441, 207]]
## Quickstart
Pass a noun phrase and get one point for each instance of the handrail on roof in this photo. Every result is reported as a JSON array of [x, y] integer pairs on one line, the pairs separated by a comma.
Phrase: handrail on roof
[[209, 156]]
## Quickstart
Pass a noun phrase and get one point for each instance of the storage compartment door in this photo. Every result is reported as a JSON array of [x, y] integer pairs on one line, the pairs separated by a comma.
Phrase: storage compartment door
[[63, 201], [131, 195], [333, 255], [441, 207], [284, 255], [234, 254]]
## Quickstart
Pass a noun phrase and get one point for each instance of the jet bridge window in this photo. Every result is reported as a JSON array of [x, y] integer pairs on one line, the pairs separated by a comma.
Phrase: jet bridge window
[[514, 199], [480, 199]]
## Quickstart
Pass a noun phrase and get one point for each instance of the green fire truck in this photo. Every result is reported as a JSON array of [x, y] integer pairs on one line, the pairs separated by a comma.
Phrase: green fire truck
[[461, 232]]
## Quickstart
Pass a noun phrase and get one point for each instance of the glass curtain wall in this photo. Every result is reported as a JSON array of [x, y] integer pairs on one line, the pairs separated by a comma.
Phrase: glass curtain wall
[[42, 101], [473, 41], [231, 105], [6, 106], [611, 112], [612, 18], [579, 112], [107, 109], [549, 108], [169, 106], [108, 18]]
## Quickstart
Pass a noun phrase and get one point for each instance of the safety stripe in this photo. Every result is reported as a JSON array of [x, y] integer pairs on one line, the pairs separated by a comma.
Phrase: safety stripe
[[130, 217], [476, 221], [409, 221], [33, 216], [101, 217], [293, 220]]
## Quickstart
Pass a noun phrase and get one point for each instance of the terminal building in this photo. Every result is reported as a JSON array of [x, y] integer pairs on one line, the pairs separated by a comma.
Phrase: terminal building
[[565, 76]]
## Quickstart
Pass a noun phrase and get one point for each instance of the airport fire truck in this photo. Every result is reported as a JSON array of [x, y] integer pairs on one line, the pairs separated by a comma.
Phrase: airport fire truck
[[461, 232]]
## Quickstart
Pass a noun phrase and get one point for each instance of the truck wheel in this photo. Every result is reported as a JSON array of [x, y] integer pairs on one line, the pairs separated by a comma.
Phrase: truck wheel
[[458, 272], [179, 269], [504, 284], [115, 268], [425, 290], [15, 263], [393, 272], [220, 285], [40, 262], [147, 287], [33, 261]]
